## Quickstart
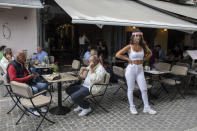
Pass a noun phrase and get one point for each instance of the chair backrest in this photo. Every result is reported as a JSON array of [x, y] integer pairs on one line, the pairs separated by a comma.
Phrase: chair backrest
[[85, 62], [51, 59], [5, 81], [76, 64], [161, 66], [119, 71], [107, 78], [1, 71], [179, 70], [183, 64], [21, 89]]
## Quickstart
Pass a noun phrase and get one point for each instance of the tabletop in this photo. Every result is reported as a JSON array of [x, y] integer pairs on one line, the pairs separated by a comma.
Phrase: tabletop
[[43, 67], [64, 77], [155, 72]]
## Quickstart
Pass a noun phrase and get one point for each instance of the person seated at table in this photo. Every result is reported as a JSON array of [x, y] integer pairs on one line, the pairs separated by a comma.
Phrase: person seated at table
[[41, 55], [7, 58], [178, 53], [161, 53], [96, 74], [1, 51], [16, 71], [157, 56], [87, 54], [95, 52]]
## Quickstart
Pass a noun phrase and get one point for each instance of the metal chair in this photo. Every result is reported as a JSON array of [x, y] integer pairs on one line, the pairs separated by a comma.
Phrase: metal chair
[[163, 67], [75, 67], [12, 96], [51, 59], [99, 90], [179, 73], [120, 74], [25, 96]]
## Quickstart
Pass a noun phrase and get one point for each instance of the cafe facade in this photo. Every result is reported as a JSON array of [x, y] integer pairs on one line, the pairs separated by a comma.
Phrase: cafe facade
[[113, 22]]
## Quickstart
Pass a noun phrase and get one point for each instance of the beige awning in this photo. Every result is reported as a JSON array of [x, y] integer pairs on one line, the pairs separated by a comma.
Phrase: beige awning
[[121, 13], [184, 10], [21, 3]]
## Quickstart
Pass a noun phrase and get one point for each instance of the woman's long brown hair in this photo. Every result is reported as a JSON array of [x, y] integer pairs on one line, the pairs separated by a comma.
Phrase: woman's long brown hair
[[142, 42]]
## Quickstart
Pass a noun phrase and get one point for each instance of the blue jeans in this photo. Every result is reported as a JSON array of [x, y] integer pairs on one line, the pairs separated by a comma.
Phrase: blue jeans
[[39, 87], [78, 93]]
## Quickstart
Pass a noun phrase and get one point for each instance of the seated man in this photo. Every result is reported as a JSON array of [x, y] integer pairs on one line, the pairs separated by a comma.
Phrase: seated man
[[16, 71], [41, 55], [87, 54], [96, 74]]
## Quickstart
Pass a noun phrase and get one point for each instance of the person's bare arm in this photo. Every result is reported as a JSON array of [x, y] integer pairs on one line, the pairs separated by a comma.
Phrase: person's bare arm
[[120, 53], [149, 53]]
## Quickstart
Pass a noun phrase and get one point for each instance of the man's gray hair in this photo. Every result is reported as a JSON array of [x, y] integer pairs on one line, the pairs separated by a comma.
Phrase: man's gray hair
[[95, 58], [17, 53], [7, 50]]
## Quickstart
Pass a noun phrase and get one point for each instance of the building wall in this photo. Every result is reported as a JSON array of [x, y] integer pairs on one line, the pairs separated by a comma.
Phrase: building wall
[[18, 29]]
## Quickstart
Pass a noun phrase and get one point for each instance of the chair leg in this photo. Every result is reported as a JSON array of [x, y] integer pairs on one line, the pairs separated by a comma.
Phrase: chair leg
[[44, 117], [181, 94], [164, 88], [175, 94], [20, 117], [65, 98], [12, 107], [6, 94], [51, 88], [117, 90], [98, 104], [16, 104]]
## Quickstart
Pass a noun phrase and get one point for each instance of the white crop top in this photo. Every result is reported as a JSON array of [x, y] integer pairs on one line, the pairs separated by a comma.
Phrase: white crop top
[[133, 55]]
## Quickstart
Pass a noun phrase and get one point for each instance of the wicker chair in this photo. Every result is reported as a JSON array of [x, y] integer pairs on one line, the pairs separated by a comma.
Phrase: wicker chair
[[25, 96]]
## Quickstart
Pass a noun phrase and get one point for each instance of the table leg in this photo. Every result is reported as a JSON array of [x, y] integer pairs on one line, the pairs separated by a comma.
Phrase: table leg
[[59, 110]]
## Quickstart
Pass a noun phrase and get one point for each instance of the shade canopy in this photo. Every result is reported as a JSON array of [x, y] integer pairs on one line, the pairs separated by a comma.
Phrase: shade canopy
[[184, 10], [21, 3], [121, 13]]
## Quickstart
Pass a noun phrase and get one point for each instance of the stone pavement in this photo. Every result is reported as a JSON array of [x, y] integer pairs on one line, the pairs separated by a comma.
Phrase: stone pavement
[[177, 115]]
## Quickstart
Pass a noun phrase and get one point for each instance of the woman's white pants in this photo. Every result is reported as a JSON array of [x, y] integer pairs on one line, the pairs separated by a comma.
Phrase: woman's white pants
[[135, 73]]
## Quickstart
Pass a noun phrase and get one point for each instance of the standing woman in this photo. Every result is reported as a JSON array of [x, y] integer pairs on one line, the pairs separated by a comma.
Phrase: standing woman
[[138, 52]]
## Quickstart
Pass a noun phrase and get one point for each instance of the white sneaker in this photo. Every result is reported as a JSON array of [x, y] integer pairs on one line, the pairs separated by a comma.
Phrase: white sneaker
[[85, 112], [43, 109], [150, 111], [78, 108], [133, 110], [36, 113]]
